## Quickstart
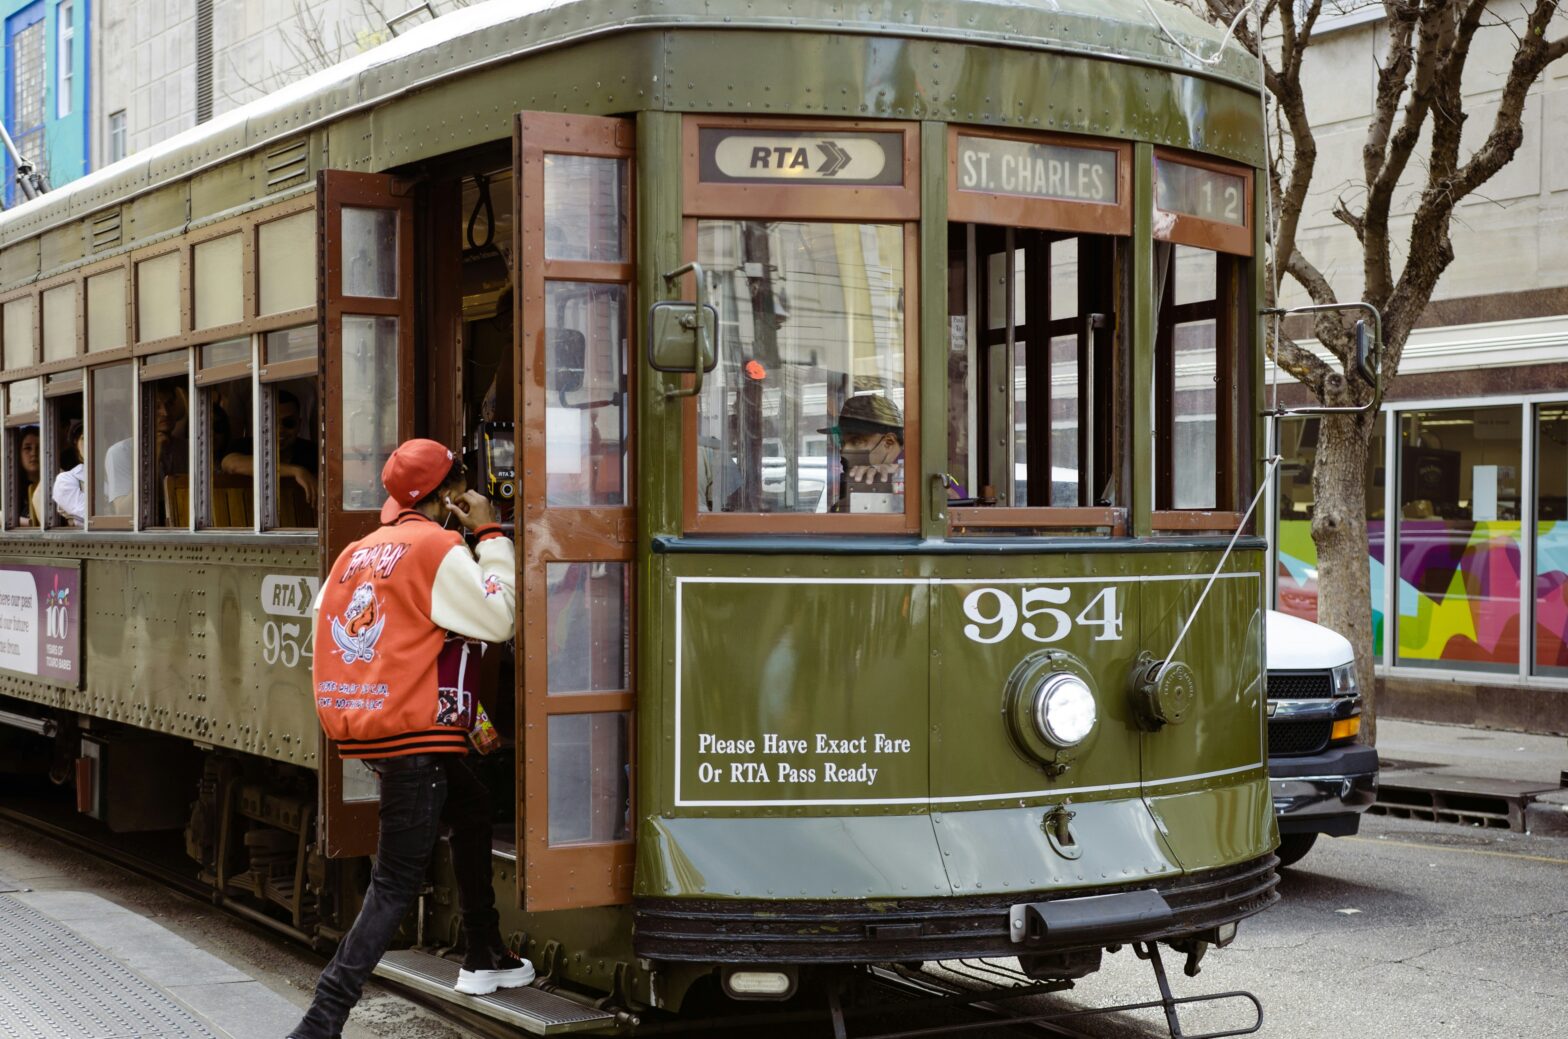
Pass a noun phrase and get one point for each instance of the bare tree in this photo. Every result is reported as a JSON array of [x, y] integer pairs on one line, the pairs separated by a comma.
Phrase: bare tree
[[318, 36], [1413, 142]]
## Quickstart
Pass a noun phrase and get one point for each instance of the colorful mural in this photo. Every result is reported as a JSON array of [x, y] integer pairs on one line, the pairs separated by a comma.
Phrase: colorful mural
[[1458, 591]]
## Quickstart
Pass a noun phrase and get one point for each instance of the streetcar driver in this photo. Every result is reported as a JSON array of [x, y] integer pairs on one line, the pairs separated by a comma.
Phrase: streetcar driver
[[870, 438], [385, 610]]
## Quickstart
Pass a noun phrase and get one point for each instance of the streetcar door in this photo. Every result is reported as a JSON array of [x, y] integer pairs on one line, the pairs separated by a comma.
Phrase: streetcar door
[[365, 231], [576, 523]]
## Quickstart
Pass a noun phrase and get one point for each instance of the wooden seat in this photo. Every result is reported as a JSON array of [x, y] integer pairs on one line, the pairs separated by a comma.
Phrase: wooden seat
[[177, 500], [232, 500], [293, 509]]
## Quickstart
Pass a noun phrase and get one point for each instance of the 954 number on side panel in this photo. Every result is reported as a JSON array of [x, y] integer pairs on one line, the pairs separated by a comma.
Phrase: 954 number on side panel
[[1043, 614]]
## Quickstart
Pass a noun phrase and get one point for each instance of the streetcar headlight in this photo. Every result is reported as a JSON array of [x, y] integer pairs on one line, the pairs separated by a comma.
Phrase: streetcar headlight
[[1064, 709]]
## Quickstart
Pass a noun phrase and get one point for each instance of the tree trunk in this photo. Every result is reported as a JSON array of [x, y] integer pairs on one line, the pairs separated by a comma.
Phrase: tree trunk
[[1339, 531]]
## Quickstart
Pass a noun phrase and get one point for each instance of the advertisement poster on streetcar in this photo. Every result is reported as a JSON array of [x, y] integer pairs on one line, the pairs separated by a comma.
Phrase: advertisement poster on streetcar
[[41, 622]]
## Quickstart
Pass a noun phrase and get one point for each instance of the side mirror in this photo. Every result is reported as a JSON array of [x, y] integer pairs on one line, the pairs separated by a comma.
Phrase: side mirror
[[682, 336], [1364, 348]]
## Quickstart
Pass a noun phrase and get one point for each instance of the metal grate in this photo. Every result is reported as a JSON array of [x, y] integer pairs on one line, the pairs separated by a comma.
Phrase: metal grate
[[27, 100], [1300, 685], [55, 985], [1296, 738], [288, 164], [106, 230]]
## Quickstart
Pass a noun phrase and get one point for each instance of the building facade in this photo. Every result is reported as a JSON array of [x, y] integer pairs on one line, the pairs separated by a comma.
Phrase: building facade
[[169, 65], [48, 73], [1468, 487]]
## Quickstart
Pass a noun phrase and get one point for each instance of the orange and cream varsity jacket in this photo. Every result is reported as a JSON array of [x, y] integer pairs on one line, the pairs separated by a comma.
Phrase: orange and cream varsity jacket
[[381, 619]]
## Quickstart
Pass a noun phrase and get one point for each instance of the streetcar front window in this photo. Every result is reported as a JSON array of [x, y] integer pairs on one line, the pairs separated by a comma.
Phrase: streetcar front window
[[805, 411]]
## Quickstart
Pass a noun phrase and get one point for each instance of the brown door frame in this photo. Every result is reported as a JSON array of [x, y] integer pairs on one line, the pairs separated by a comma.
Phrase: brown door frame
[[350, 828], [594, 874]]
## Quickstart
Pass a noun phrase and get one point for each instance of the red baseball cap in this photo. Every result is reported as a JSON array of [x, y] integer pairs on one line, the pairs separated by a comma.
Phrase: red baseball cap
[[415, 469]]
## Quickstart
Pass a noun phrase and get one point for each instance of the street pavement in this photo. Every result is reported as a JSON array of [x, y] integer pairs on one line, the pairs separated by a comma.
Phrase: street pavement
[[1410, 929]]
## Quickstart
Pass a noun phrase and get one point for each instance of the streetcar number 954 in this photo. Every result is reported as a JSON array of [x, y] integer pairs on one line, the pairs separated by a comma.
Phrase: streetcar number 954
[[1037, 614]]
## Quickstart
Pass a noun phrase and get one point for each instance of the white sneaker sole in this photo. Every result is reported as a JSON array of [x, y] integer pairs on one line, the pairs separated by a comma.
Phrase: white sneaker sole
[[484, 982]]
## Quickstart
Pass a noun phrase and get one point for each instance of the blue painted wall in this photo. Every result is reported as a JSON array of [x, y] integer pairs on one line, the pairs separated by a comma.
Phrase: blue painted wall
[[66, 138]]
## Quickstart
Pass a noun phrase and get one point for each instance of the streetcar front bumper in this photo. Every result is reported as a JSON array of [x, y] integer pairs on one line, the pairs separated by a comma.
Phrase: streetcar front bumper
[[879, 931]]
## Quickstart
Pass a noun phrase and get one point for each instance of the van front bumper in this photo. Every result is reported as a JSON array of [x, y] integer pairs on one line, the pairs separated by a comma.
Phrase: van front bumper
[[1324, 793]]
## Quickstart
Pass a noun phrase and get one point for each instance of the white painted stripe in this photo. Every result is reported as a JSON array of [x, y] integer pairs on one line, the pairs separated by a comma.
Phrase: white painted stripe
[[1153, 784], [957, 580], [680, 585]]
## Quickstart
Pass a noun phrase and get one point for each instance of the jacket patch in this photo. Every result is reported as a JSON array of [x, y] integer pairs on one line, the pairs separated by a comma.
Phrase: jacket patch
[[380, 559], [360, 629], [492, 586]]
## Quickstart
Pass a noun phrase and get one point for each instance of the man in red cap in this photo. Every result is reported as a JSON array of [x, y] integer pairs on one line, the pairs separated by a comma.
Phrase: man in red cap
[[382, 619]]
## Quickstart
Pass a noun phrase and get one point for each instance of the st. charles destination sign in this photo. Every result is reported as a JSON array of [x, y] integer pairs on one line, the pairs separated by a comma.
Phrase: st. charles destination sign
[[999, 166]]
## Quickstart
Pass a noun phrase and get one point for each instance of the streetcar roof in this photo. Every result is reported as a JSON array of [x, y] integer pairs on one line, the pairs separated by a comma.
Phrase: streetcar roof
[[477, 36]]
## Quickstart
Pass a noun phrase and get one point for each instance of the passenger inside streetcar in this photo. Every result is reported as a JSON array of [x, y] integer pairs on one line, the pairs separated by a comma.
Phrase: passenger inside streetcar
[[70, 486], [27, 461], [296, 457]]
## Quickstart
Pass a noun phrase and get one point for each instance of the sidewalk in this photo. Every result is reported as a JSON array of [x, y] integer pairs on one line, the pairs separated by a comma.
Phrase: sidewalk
[[1464, 762], [77, 965]]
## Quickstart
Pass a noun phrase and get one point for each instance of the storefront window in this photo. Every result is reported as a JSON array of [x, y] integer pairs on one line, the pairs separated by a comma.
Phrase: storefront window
[[805, 412], [1459, 530], [1296, 557], [1551, 541]]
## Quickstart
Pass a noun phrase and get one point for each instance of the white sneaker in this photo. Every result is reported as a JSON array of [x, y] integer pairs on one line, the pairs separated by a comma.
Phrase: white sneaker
[[483, 978]]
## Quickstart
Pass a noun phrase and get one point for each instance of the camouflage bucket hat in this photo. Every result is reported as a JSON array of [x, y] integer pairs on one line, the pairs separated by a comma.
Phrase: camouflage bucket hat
[[867, 413]]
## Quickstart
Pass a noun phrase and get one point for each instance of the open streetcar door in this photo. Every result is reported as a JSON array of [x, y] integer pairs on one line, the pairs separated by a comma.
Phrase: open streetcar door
[[576, 522], [366, 238]]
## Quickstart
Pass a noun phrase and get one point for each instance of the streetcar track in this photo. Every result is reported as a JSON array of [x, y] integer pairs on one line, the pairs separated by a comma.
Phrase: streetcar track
[[925, 987]]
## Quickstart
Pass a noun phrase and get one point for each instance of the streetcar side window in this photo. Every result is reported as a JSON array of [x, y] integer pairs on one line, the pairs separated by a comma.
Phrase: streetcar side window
[[228, 408], [290, 421], [806, 410], [165, 440], [23, 456], [112, 465], [1196, 378], [65, 461]]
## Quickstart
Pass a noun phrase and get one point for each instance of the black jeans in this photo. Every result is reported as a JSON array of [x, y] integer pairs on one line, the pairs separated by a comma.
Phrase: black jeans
[[418, 794]]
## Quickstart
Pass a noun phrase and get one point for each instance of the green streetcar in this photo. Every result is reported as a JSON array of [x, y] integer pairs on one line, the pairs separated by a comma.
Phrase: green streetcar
[[873, 390]]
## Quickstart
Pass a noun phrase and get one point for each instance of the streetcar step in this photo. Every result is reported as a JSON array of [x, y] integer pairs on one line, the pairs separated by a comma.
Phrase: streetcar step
[[533, 1010]]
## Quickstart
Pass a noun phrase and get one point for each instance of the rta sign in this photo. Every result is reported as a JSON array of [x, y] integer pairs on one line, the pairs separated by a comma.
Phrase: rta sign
[[733, 156]]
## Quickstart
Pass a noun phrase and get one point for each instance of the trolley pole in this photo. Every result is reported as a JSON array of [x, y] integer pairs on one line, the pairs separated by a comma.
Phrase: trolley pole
[[28, 179]]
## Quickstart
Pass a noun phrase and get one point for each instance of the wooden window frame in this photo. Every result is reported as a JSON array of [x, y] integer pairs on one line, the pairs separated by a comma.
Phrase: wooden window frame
[[48, 464], [267, 376], [8, 429], [1051, 214], [810, 203], [1070, 219], [1213, 235], [245, 231], [123, 264], [47, 367], [33, 368], [600, 872], [146, 467], [286, 318], [180, 249], [906, 522], [1225, 309]]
